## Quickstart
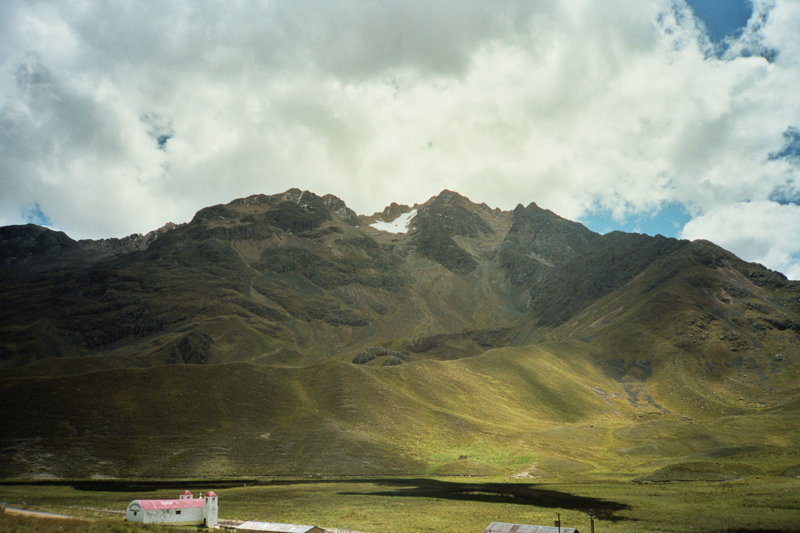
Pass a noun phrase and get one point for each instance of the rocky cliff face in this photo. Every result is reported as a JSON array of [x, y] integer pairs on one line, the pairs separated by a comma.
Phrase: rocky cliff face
[[539, 244], [439, 221]]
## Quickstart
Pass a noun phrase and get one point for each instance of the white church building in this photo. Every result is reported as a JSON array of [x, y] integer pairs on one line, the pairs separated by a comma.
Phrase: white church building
[[185, 511]]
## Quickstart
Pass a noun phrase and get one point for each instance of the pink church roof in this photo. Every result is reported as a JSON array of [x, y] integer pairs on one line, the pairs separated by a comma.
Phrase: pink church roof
[[151, 505]]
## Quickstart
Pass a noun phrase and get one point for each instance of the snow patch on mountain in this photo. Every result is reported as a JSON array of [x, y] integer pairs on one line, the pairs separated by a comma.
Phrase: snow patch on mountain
[[398, 225]]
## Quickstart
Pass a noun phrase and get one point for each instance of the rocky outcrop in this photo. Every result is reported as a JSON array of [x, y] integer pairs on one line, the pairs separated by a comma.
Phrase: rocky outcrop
[[440, 219], [193, 349], [131, 243], [371, 353], [18, 243], [538, 242]]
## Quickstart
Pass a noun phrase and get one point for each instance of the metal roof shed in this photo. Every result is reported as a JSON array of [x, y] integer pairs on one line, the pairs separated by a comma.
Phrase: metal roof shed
[[501, 527], [272, 527]]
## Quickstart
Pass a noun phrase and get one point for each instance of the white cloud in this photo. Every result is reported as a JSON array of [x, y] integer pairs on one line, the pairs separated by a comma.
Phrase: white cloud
[[573, 104], [762, 231]]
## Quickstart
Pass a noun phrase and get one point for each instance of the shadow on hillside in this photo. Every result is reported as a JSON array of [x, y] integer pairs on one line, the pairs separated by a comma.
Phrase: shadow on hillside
[[114, 485], [513, 493], [761, 531]]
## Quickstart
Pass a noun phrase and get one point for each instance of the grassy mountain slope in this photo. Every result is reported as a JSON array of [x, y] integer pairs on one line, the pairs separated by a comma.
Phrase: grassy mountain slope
[[284, 335], [533, 411], [334, 418]]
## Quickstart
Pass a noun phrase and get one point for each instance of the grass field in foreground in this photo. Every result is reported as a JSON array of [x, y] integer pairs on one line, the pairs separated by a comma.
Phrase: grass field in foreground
[[26, 524], [467, 505]]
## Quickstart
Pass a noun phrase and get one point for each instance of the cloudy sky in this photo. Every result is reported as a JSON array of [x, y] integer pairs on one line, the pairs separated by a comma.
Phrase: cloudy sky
[[657, 116]]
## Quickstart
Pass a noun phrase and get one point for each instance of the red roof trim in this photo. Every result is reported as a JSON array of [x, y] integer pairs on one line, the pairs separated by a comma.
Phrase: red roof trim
[[151, 505]]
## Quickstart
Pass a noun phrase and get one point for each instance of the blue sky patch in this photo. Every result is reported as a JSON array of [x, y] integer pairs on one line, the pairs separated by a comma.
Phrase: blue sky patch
[[668, 221], [722, 17], [159, 128], [785, 195], [34, 215], [791, 146]]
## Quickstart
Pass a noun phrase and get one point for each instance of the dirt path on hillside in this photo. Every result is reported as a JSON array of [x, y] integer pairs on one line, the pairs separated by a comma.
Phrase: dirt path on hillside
[[40, 514]]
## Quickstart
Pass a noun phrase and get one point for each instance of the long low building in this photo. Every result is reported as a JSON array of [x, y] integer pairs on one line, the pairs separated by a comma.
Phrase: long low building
[[502, 527], [272, 527], [185, 511]]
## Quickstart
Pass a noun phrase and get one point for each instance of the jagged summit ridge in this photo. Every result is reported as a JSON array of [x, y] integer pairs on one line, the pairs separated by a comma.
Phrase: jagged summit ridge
[[277, 261]]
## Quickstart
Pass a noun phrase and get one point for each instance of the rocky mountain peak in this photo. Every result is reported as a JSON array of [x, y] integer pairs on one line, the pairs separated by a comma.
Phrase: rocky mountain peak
[[340, 209], [135, 241], [391, 212], [539, 240], [300, 256], [540, 232], [18, 243], [452, 214], [442, 218], [293, 211], [449, 197]]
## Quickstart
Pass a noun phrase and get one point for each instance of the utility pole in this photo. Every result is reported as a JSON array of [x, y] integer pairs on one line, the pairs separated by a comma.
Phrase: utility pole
[[591, 518]]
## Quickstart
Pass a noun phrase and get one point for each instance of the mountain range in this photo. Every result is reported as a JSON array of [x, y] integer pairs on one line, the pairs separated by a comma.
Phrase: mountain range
[[288, 335]]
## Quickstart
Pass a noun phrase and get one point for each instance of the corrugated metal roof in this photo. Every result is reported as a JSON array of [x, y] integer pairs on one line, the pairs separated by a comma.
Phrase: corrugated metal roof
[[277, 528], [501, 527], [187, 503]]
